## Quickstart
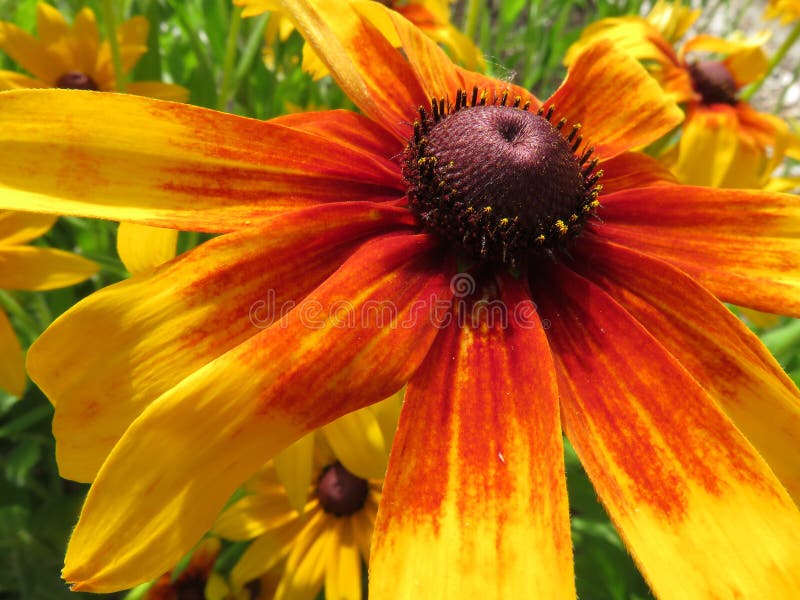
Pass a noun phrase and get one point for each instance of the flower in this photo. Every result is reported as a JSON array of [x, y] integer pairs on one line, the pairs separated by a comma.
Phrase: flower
[[24, 267], [326, 544], [75, 58], [431, 16], [787, 11], [345, 271], [743, 145], [191, 582]]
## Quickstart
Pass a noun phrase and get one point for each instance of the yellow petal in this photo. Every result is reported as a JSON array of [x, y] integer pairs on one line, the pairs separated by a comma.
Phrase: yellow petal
[[266, 551], [11, 80], [141, 247], [12, 367], [306, 565], [343, 567], [50, 24], [20, 227], [31, 54], [357, 441], [295, 466], [84, 41], [32, 268], [159, 90]]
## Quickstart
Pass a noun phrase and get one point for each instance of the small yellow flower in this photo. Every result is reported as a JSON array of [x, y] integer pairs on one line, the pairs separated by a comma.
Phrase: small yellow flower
[[32, 268]]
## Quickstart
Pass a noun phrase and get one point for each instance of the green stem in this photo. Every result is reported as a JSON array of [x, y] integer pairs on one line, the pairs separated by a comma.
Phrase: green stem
[[230, 58], [776, 58], [111, 35], [783, 339]]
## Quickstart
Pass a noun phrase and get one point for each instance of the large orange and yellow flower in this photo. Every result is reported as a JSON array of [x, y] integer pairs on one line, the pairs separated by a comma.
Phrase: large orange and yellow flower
[[725, 142], [24, 267], [444, 238]]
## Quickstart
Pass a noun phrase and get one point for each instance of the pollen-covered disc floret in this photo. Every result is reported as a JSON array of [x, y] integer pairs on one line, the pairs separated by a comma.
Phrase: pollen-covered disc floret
[[75, 80], [714, 82], [341, 493], [496, 180]]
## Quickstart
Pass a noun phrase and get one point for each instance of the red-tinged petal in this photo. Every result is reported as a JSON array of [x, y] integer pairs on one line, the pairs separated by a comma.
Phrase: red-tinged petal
[[744, 246], [633, 170], [12, 367], [34, 268], [700, 510], [618, 104], [474, 504], [725, 357], [364, 63], [150, 332], [173, 165], [179, 461], [21, 227]]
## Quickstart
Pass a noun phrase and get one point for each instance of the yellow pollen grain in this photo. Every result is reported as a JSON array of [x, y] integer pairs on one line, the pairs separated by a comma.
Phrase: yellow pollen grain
[[504, 221], [561, 227]]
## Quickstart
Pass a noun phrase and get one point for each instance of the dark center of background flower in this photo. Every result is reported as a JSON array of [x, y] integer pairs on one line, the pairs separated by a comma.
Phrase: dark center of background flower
[[191, 587], [340, 492], [714, 82], [75, 80], [497, 181]]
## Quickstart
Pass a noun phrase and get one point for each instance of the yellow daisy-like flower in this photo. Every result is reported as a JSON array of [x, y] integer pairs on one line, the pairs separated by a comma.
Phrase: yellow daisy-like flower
[[324, 545], [32, 268], [725, 141], [431, 16], [787, 11], [74, 57]]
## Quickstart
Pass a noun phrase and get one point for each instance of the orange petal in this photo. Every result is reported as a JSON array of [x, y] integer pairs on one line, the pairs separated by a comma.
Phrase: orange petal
[[633, 170], [697, 506], [722, 355], [148, 333], [618, 104], [741, 245], [474, 504], [178, 166], [181, 459], [12, 367], [362, 61]]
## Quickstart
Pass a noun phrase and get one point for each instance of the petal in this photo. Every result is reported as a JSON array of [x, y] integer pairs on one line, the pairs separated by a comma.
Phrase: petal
[[743, 246], [294, 466], [174, 165], [343, 567], [85, 41], [12, 367], [479, 443], [32, 268], [633, 170], [305, 568], [181, 459], [698, 508], [11, 80], [50, 24], [357, 441], [256, 515], [618, 104], [156, 89], [722, 355], [132, 36], [362, 61], [745, 59], [21, 227], [141, 247], [31, 54], [265, 553], [148, 333]]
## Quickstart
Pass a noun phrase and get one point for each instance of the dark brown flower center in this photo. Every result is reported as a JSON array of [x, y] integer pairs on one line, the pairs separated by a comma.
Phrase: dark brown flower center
[[75, 80], [497, 181], [714, 82], [190, 588], [340, 492]]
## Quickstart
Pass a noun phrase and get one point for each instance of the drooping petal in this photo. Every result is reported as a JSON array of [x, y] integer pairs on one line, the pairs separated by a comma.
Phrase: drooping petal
[[180, 460], [141, 247], [21, 227], [358, 442], [725, 357], [150, 332], [615, 100], [362, 61], [33, 268], [697, 506], [31, 54], [741, 245], [174, 165], [474, 504], [12, 367]]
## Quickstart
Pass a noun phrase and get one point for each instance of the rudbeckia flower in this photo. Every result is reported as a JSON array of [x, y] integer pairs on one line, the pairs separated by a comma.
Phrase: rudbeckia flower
[[431, 16], [445, 238], [33, 268], [323, 545], [725, 142]]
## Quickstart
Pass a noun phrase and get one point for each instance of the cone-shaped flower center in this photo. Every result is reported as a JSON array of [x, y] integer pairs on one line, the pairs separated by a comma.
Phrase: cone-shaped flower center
[[714, 82], [340, 492], [498, 182], [75, 80]]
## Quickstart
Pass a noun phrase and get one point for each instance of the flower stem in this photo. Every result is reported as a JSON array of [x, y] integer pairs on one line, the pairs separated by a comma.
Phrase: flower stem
[[229, 61], [776, 58], [111, 35]]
